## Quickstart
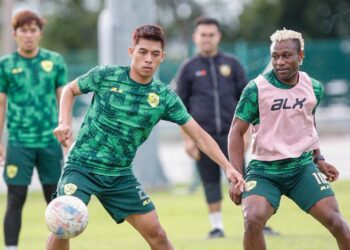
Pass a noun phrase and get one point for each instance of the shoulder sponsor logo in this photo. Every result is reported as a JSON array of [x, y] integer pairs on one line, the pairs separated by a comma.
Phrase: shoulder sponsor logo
[[250, 185], [47, 65], [11, 171], [225, 70], [69, 188], [117, 90], [202, 72], [17, 70], [153, 99]]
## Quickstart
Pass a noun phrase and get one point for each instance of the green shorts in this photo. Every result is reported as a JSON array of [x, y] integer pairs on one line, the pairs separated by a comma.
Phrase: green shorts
[[305, 186], [121, 196], [20, 162]]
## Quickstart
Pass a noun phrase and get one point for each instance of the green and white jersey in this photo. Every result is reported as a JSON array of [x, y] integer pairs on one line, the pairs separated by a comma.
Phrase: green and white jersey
[[120, 118], [30, 85], [248, 111]]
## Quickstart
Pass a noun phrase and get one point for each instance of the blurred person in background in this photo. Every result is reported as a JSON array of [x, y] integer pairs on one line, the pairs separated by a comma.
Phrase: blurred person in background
[[280, 106], [31, 81], [128, 102], [210, 85]]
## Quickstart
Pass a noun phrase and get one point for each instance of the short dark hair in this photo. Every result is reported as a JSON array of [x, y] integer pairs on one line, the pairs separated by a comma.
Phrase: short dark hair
[[206, 20], [26, 17], [149, 32]]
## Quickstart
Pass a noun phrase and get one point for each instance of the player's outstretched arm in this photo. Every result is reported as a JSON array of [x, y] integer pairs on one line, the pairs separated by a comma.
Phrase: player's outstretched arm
[[63, 132], [3, 100], [326, 168], [208, 146], [190, 147], [236, 149]]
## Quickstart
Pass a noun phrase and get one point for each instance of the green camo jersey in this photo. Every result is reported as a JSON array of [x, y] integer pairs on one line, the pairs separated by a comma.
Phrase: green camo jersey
[[30, 85], [248, 111], [120, 118]]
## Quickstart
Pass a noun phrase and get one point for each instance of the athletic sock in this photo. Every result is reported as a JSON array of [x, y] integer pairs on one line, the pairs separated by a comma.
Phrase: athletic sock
[[11, 248], [216, 220]]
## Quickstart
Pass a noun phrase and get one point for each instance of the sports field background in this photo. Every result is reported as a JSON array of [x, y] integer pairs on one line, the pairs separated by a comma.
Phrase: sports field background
[[332, 122], [184, 215], [185, 219]]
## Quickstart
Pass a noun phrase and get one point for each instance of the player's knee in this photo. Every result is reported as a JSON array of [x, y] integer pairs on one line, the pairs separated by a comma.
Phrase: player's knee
[[337, 225], [157, 234], [48, 191], [212, 192], [54, 243], [16, 199], [253, 223]]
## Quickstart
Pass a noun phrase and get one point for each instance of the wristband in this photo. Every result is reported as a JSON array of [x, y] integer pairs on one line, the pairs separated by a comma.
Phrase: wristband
[[318, 158]]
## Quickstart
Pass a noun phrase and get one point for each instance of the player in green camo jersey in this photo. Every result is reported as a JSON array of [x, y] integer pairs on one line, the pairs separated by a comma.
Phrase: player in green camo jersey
[[113, 85], [127, 103], [31, 81], [286, 159]]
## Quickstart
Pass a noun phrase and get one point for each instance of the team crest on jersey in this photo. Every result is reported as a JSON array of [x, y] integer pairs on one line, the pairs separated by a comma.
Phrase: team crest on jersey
[[11, 171], [47, 65], [70, 189], [17, 70], [225, 70], [250, 185], [153, 99]]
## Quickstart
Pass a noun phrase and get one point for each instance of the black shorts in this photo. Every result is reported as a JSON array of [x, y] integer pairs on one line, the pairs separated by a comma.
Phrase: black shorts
[[210, 172]]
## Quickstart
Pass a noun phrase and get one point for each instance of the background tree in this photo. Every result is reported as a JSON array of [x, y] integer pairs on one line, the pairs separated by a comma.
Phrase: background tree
[[314, 18], [72, 25]]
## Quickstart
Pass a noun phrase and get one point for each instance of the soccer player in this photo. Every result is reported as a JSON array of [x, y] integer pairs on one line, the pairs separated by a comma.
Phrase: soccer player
[[128, 102], [210, 84], [31, 81], [286, 156]]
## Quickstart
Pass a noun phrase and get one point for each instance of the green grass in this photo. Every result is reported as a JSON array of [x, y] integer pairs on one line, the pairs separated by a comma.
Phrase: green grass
[[185, 219]]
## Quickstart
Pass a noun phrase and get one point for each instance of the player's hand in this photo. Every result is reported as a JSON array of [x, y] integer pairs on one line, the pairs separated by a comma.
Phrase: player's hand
[[328, 170], [235, 194], [192, 150], [2, 155], [237, 185], [64, 134]]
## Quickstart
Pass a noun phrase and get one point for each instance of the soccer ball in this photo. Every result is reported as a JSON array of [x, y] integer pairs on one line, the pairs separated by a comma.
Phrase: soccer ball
[[66, 216]]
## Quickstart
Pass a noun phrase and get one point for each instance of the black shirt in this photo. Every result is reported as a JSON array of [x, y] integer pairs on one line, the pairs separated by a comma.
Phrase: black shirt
[[210, 88]]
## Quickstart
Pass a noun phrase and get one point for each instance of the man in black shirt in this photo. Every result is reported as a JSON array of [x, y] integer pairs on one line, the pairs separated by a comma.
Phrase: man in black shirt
[[210, 85]]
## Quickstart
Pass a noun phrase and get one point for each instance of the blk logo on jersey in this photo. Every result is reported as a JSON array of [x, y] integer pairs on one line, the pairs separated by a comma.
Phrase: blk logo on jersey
[[17, 70], [284, 103], [117, 90]]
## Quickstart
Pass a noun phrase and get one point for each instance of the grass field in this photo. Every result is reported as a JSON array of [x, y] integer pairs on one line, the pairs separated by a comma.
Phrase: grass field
[[185, 219]]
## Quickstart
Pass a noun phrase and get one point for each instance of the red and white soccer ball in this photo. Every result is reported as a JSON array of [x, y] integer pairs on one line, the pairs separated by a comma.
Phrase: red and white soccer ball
[[66, 216]]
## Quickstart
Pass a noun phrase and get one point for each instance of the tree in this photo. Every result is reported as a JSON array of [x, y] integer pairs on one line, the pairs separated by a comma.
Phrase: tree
[[314, 18], [71, 25], [177, 16]]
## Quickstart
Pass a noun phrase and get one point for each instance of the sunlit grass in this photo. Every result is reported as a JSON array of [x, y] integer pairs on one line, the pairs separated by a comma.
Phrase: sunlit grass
[[185, 219]]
